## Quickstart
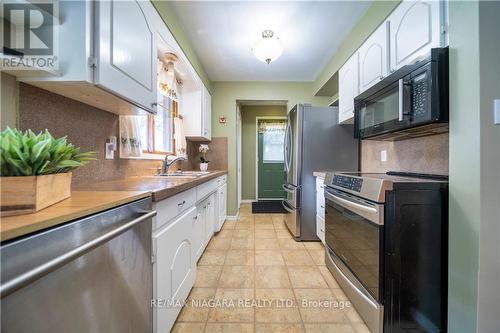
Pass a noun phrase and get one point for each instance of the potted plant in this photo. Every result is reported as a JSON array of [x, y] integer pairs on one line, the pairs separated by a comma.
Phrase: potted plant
[[35, 170], [203, 158]]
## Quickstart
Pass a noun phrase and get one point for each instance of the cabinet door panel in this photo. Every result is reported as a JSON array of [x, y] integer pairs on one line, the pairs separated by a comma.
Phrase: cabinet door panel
[[348, 88], [373, 58], [198, 228], [125, 46], [209, 218], [174, 268], [207, 114], [415, 28]]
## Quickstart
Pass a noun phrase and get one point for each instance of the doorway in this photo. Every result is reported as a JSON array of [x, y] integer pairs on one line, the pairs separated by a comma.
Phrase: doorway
[[270, 157]]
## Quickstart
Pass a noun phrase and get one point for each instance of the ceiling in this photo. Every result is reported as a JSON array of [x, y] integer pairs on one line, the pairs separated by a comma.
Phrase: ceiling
[[223, 33]]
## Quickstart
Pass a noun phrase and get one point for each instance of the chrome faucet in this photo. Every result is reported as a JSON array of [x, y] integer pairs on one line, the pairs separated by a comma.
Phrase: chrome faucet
[[167, 164]]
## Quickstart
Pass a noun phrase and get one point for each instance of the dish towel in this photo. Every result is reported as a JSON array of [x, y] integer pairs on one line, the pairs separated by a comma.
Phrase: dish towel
[[130, 138], [179, 137]]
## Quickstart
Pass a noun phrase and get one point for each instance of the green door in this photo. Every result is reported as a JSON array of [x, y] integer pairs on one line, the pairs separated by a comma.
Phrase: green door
[[271, 173]]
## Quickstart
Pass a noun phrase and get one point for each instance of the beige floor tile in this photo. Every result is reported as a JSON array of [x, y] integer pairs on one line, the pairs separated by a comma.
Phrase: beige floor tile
[[353, 315], [237, 277], [318, 256], [229, 225], [278, 218], [243, 233], [279, 328], [229, 328], [228, 308], [306, 277], [339, 294], [188, 328], [268, 258], [265, 233], [320, 306], [207, 276], [263, 218], [280, 227], [219, 244], [329, 328], [266, 244], [360, 328], [290, 244], [224, 233], [314, 246], [264, 226], [243, 243], [240, 258], [283, 234], [212, 257], [271, 277], [279, 306], [297, 257], [193, 311], [244, 226], [330, 280]]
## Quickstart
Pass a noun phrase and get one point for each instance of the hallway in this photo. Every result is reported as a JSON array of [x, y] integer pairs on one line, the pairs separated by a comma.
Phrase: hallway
[[254, 277]]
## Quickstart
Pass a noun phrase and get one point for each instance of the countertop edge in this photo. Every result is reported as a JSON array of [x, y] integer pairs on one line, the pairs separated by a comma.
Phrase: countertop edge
[[35, 226]]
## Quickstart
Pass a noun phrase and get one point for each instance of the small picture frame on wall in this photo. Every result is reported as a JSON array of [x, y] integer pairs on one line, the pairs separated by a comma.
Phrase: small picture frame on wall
[[222, 120]]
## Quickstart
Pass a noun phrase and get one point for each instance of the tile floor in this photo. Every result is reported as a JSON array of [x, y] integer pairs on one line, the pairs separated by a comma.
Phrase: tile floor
[[253, 277]]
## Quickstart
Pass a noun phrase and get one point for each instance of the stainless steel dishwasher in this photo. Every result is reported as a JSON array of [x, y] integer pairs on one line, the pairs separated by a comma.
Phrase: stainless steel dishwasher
[[90, 275]]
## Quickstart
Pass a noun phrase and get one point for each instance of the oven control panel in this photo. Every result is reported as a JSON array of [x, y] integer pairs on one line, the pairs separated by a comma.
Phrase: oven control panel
[[350, 183]]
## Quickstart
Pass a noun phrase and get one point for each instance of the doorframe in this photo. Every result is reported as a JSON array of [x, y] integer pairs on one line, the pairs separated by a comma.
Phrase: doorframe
[[239, 138], [257, 152]]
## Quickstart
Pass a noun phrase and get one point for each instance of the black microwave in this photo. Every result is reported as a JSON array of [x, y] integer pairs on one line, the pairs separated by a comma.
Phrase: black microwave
[[411, 102]]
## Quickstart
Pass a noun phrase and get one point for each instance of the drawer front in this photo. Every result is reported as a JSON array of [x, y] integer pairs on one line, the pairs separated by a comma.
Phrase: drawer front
[[203, 190], [222, 180], [320, 197], [320, 228], [171, 207], [320, 184]]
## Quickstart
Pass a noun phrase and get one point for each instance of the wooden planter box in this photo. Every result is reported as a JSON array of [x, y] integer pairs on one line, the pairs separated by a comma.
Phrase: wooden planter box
[[24, 195]]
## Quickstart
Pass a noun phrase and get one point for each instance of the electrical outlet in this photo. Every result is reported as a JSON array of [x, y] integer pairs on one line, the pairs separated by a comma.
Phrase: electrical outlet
[[383, 155], [110, 153]]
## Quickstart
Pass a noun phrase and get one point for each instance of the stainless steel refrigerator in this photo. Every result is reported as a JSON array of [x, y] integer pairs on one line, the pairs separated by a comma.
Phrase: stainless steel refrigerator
[[314, 141]]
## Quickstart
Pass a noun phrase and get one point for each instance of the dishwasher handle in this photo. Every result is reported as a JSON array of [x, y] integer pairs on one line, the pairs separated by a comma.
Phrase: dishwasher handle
[[34, 274]]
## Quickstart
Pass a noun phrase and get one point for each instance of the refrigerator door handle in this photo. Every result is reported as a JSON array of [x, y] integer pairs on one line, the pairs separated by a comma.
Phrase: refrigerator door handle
[[285, 150], [288, 209]]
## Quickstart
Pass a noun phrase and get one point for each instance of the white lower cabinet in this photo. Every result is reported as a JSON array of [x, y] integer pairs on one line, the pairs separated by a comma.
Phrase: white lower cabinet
[[182, 229], [221, 207], [320, 208], [174, 268]]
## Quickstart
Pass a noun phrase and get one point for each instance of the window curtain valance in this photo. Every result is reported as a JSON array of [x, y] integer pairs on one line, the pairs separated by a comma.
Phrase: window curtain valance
[[268, 127]]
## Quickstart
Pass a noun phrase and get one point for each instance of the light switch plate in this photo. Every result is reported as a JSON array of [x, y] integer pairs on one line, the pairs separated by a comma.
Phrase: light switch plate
[[110, 153], [496, 112], [383, 155]]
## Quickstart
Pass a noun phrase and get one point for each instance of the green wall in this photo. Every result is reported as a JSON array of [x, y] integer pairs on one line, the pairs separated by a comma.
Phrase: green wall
[[325, 84], [224, 98], [167, 13], [249, 116]]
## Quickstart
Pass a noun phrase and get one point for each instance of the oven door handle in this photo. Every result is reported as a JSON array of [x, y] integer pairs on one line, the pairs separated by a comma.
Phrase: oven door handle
[[350, 204], [288, 189], [401, 99]]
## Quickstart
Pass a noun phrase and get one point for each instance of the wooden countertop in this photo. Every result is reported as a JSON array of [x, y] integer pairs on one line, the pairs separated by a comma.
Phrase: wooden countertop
[[87, 199], [161, 187], [80, 204]]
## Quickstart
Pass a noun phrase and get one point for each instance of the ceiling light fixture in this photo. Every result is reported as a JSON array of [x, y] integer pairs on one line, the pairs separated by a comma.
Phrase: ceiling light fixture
[[269, 48]]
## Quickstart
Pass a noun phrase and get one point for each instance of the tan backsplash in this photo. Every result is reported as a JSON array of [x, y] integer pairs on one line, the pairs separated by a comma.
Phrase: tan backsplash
[[426, 155], [217, 154], [89, 128]]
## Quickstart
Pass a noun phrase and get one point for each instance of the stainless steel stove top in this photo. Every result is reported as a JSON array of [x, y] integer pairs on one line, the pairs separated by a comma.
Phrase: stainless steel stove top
[[372, 186]]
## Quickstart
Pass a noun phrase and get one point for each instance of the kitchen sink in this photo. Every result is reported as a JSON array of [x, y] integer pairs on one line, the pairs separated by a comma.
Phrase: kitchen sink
[[185, 174]]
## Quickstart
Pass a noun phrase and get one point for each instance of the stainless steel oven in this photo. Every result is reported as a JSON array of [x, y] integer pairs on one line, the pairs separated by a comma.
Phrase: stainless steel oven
[[412, 101], [386, 237], [353, 231]]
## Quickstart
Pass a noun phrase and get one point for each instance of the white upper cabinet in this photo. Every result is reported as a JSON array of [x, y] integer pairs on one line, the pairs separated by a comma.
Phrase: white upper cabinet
[[126, 51], [197, 111], [415, 28], [207, 114], [374, 58], [348, 88]]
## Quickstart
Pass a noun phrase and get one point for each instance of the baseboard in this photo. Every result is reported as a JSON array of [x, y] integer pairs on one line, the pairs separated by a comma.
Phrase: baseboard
[[233, 217], [248, 201]]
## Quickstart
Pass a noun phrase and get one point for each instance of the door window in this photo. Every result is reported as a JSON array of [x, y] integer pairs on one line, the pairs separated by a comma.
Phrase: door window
[[273, 140]]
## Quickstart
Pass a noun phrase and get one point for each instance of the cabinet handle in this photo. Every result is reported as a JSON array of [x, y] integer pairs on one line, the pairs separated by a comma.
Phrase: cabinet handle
[[322, 206], [381, 77], [181, 203], [322, 186], [195, 218]]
